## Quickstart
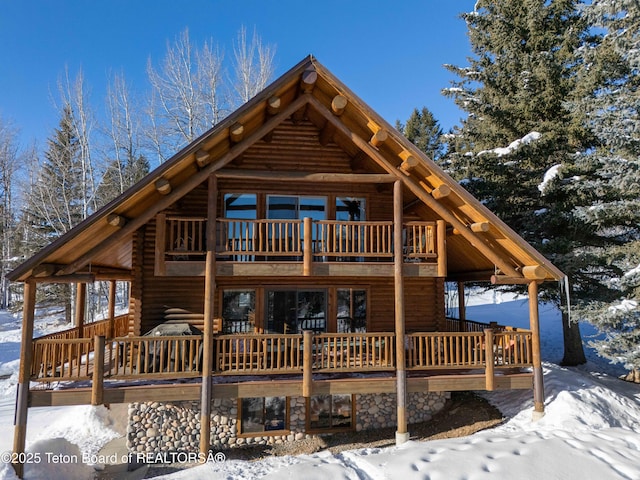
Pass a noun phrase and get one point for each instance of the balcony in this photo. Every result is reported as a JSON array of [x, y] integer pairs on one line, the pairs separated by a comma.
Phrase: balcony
[[299, 247]]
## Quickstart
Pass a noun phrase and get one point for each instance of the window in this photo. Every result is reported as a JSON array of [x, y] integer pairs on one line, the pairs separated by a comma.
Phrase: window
[[330, 412], [240, 205], [350, 209], [292, 311], [238, 311], [259, 415], [352, 310], [285, 207]]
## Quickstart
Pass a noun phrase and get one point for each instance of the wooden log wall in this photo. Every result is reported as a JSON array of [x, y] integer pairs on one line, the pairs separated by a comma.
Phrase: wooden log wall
[[293, 147]]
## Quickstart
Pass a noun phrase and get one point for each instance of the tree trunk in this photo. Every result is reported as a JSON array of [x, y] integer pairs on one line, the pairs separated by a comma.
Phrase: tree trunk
[[573, 349]]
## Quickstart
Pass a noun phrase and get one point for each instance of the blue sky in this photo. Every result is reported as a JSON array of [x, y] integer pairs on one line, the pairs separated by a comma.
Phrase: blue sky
[[389, 53]]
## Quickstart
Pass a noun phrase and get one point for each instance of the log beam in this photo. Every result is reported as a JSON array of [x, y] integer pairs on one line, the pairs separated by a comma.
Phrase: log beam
[[273, 105], [440, 192], [338, 104], [379, 138], [163, 186], [261, 175], [236, 132], [534, 272], [408, 164], [202, 158], [116, 220], [506, 280], [308, 80]]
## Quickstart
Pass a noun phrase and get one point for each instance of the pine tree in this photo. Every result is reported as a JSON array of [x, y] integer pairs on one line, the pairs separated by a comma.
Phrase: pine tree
[[55, 204], [423, 130], [515, 91], [605, 185]]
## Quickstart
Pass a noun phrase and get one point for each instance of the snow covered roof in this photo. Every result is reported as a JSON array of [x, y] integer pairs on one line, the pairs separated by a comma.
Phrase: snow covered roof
[[479, 244]]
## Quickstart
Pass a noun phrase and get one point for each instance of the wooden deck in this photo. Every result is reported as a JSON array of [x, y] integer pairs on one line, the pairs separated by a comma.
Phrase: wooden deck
[[99, 370]]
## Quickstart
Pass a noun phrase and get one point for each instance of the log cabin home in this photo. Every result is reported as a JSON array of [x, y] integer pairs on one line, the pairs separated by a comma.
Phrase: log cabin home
[[287, 276]]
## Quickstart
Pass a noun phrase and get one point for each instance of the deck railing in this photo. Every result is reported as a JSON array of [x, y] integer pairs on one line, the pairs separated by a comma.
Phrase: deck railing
[[149, 357], [332, 352], [250, 240], [250, 354], [65, 355]]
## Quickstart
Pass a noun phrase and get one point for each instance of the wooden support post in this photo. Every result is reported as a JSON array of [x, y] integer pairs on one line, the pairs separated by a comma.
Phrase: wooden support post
[[462, 311], [81, 299], [534, 325], [307, 257], [490, 360], [402, 435], [209, 298], [112, 306], [97, 383], [441, 240], [307, 363], [24, 374]]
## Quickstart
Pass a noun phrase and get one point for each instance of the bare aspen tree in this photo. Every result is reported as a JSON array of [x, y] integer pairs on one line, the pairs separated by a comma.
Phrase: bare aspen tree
[[125, 161], [73, 95], [253, 65], [9, 165], [185, 101]]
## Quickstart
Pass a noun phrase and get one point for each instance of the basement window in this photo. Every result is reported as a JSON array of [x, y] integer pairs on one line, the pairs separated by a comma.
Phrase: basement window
[[330, 413], [263, 415]]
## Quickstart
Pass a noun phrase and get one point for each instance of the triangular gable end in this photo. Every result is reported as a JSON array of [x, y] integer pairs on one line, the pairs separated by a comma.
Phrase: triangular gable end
[[482, 245]]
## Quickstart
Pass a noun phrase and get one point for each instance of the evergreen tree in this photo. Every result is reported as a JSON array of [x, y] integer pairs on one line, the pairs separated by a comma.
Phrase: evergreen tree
[[55, 204], [119, 176], [423, 130], [605, 185], [515, 91]]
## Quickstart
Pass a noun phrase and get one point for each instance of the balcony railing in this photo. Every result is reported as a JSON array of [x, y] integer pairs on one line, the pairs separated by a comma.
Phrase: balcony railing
[[268, 240]]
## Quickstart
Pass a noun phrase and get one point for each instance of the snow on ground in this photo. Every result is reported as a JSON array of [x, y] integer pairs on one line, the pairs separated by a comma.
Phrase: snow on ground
[[591, 429]]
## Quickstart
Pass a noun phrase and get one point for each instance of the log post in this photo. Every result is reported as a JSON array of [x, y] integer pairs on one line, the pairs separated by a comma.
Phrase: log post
[[462, 312], [209, 297], [307, 257], [489, 355], [81, 299], [307, 363], [97, 383], [24, 374], [338, 104], [534, 325], [112, 306], [441, 239], [402, 436]]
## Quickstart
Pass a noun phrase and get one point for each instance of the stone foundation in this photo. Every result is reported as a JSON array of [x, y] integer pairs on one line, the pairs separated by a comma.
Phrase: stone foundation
[[156, 427]]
